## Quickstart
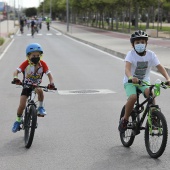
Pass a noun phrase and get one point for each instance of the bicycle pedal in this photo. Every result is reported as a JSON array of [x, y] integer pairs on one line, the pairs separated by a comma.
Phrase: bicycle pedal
[[134, 133], [20, 128], [40, 115], [138, 132], [142, 128]]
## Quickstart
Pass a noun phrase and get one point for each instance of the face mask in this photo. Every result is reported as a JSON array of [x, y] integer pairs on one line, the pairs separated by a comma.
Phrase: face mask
[[140, 48], [35, 60]]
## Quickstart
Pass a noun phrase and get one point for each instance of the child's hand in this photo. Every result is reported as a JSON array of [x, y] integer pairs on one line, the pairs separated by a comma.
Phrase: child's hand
[[51, 86], [16, 81], [167, 82]]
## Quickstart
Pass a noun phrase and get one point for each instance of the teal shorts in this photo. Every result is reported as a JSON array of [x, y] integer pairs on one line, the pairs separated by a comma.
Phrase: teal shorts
[[131, 89]]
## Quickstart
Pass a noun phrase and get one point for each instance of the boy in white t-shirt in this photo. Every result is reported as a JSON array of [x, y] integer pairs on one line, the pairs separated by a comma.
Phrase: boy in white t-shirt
[[139, 62]]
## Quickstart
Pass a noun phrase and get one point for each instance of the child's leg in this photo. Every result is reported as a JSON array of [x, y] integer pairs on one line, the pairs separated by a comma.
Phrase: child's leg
[[40, 93], [22, 104], [41, 110]]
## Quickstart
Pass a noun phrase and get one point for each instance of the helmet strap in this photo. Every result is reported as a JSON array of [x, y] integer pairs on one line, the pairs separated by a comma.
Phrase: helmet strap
[[141, 54]]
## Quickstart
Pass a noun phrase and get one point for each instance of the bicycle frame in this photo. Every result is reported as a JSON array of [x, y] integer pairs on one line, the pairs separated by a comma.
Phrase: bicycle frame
[[155, 130], [29, 120], [147, 109], [32, 97]]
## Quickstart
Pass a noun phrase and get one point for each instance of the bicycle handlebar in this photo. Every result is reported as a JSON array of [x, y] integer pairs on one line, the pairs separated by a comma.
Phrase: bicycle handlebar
[[33, 85], [142, 83]]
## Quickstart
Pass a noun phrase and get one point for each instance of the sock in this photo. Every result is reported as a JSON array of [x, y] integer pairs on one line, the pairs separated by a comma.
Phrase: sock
[[18, 119], [40, 104]]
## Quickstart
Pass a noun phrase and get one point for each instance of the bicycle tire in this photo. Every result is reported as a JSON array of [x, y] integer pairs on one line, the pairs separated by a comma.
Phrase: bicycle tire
[[127, 138], [48, 27], [30, 123], [162, 131], [32, 32]]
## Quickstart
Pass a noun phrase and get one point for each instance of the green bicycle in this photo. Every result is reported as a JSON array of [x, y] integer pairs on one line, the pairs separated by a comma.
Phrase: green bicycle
[[156, 130]]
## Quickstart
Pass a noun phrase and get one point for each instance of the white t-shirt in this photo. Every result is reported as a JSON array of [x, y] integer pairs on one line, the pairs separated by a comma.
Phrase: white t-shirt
[[141, 65]]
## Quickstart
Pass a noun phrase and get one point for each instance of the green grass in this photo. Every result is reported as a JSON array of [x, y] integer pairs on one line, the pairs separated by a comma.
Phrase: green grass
[[1, 41]]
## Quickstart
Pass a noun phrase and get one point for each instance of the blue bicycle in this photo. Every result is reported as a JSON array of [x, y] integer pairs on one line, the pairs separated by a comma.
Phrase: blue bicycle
[[29, 119]]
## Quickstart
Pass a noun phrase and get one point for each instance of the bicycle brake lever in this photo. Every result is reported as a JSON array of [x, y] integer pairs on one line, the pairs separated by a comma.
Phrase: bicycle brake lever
[[46, 90]]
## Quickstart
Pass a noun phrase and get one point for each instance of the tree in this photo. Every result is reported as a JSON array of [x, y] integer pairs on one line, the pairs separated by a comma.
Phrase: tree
[[29, 12]]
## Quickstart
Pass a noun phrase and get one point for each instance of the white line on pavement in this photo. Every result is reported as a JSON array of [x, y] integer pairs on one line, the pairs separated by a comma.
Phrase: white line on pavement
[[1, 56], [85, 91]]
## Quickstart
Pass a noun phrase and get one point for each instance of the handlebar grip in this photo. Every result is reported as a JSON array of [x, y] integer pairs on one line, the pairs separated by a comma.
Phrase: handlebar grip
[[167, 83], [130, 81], [13, 82]]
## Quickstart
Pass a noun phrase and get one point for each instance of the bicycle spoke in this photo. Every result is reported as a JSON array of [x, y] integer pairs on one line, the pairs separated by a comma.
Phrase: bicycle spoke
[[156, 135]]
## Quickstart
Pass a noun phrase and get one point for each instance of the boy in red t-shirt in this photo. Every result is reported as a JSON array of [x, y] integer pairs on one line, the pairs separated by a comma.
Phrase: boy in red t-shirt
[[33, 69]]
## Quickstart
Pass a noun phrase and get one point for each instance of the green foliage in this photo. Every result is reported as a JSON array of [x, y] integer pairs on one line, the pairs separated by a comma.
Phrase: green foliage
[[1, 41], [29, 12], [97, 11]]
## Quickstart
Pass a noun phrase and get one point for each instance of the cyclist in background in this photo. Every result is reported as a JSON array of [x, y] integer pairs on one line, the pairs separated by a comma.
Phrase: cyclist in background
[[21, 25], [40, 22], [48, 21], [28, 23], [139, 62], [32, 24], [33, 69]]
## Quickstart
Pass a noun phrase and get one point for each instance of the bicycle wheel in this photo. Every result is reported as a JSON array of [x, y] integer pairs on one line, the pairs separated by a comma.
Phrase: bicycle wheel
[[156, 140], [32, 32], [30, 123], [127, 138]]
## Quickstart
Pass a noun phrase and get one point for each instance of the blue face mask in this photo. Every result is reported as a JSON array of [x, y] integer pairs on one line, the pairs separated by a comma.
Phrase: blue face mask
[[140, 48]]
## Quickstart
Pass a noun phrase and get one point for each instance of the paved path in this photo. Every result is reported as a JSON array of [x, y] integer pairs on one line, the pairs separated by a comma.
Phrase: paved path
[[114, 42]]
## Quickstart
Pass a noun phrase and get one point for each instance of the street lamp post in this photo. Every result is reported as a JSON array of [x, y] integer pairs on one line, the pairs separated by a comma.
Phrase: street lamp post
[[50, 8], [158, 19], [67, 9], [14, 13]]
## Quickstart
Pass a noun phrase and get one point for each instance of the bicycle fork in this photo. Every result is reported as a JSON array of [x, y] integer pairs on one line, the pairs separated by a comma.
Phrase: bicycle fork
[[150, 119]]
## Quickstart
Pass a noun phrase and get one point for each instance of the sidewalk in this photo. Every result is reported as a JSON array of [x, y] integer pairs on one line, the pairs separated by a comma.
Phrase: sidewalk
[[115, 43], [7, 27]]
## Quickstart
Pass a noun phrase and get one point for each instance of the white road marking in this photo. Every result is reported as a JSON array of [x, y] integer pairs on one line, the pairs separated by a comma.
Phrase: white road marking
[[58, 33], [85, 91], [1, 56]]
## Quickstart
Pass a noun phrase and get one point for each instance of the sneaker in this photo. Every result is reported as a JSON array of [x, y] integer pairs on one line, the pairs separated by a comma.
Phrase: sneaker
[[16, 127], [123, 125], [41, 111]]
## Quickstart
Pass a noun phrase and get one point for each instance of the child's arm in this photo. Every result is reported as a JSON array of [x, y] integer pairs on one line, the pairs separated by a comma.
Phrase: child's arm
[[15, 74], [51, 86], [162, 70], [128, 69], [50, 77], [15, 78]]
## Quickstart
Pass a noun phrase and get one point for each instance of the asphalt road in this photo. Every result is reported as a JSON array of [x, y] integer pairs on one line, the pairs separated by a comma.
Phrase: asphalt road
[[80, 130]]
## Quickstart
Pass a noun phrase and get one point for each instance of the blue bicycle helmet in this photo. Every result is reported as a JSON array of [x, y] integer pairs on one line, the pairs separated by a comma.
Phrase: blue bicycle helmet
[[34, 47]]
